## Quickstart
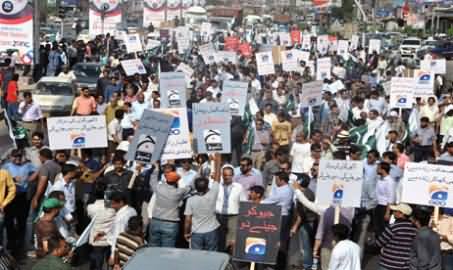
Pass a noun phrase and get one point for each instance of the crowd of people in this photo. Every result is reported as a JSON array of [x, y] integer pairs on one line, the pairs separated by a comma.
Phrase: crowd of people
[[194, 202]]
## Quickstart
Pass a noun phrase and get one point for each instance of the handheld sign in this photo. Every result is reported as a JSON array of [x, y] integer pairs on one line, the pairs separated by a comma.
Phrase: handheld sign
[[290, 62], [133, 66], [172, 89], [150, 137], [133, 43], [436, 66], [258, 233], [211, 126], [77, 132], [265, 63], [339, 183], [402, 92], [178, 145], [323, 70], [235, 95], [427, 184], [424, 83], [311, 94], [374, 46]]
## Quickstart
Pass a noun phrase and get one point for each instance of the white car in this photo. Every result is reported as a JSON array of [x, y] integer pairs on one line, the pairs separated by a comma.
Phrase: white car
[[54, 95], [409, 47]]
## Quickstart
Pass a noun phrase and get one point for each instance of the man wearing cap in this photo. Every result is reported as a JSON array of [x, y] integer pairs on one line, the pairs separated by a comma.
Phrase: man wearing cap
[[396, 241], [46, 227], [164, 224]]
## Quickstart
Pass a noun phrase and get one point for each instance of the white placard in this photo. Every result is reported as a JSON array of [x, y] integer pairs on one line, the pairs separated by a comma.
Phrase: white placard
[[424, 83], [186, 69], [324, 66], [205, 30], [151, 44], [436, 66], [339, 183], [133, 66], [354, 42], [290, 60], [311, 94], [336, 86], [343, 47], [182, 37], [427, 184], [322, 44], [178, 145], [265, 63], [306, 42], [374, 45], [285, 39], [303, 56], [133, 43], [208, 53], [226, 57], [77, 132], [402, 92]]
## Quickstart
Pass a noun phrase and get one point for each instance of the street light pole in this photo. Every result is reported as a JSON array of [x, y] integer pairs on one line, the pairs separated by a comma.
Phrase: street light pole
[[36, 41]]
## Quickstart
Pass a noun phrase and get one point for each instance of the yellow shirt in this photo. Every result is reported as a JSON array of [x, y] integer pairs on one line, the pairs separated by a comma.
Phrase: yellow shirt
[[6, 183], [110, 111]]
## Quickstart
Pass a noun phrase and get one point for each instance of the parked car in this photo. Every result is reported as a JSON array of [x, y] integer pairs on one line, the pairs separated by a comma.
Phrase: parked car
[[409, 47], [176, 259], [54, 95], [444, 49], [87, 75]]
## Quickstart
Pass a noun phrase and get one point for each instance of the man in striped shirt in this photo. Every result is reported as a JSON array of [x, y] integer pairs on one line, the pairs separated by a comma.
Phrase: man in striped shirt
[[396, 240], [129, 242]]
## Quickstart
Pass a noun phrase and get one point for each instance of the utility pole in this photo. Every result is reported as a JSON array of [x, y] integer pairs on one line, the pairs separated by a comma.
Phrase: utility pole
[[36, 41]]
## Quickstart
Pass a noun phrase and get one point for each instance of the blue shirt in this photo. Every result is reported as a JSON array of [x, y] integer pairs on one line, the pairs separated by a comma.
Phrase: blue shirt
[[110, 89], [23, 171], [282, 196]]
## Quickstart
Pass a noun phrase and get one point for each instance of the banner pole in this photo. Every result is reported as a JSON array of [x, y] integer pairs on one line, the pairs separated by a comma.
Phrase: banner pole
[[436, 216], [309, 121], [337, 214]]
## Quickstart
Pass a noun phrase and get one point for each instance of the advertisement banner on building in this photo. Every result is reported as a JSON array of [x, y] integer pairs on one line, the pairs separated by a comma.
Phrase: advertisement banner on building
[[173, 9], [104, 16], [16, 28], [153, 12]]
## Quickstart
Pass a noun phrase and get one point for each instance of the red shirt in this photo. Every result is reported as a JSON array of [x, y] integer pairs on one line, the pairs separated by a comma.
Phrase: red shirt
[[11, 92]]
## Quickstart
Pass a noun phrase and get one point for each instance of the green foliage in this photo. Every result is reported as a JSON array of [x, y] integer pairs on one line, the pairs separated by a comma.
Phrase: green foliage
[[450, 32]]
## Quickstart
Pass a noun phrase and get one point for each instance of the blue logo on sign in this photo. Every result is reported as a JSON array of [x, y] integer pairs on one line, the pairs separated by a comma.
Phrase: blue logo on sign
[[175, 126], [438, 194], [255, 246], [424, 79]]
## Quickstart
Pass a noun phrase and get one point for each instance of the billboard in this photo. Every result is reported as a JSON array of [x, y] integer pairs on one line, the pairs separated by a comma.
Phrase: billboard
[[16, 28]]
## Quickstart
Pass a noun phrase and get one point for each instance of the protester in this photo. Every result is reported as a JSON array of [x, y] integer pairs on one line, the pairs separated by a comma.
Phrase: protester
[[396, 240], [164, 224], [103, 219], [345, 254], [200, 224], [57, 249], [425, 252], [129, 241], [332, 106]]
